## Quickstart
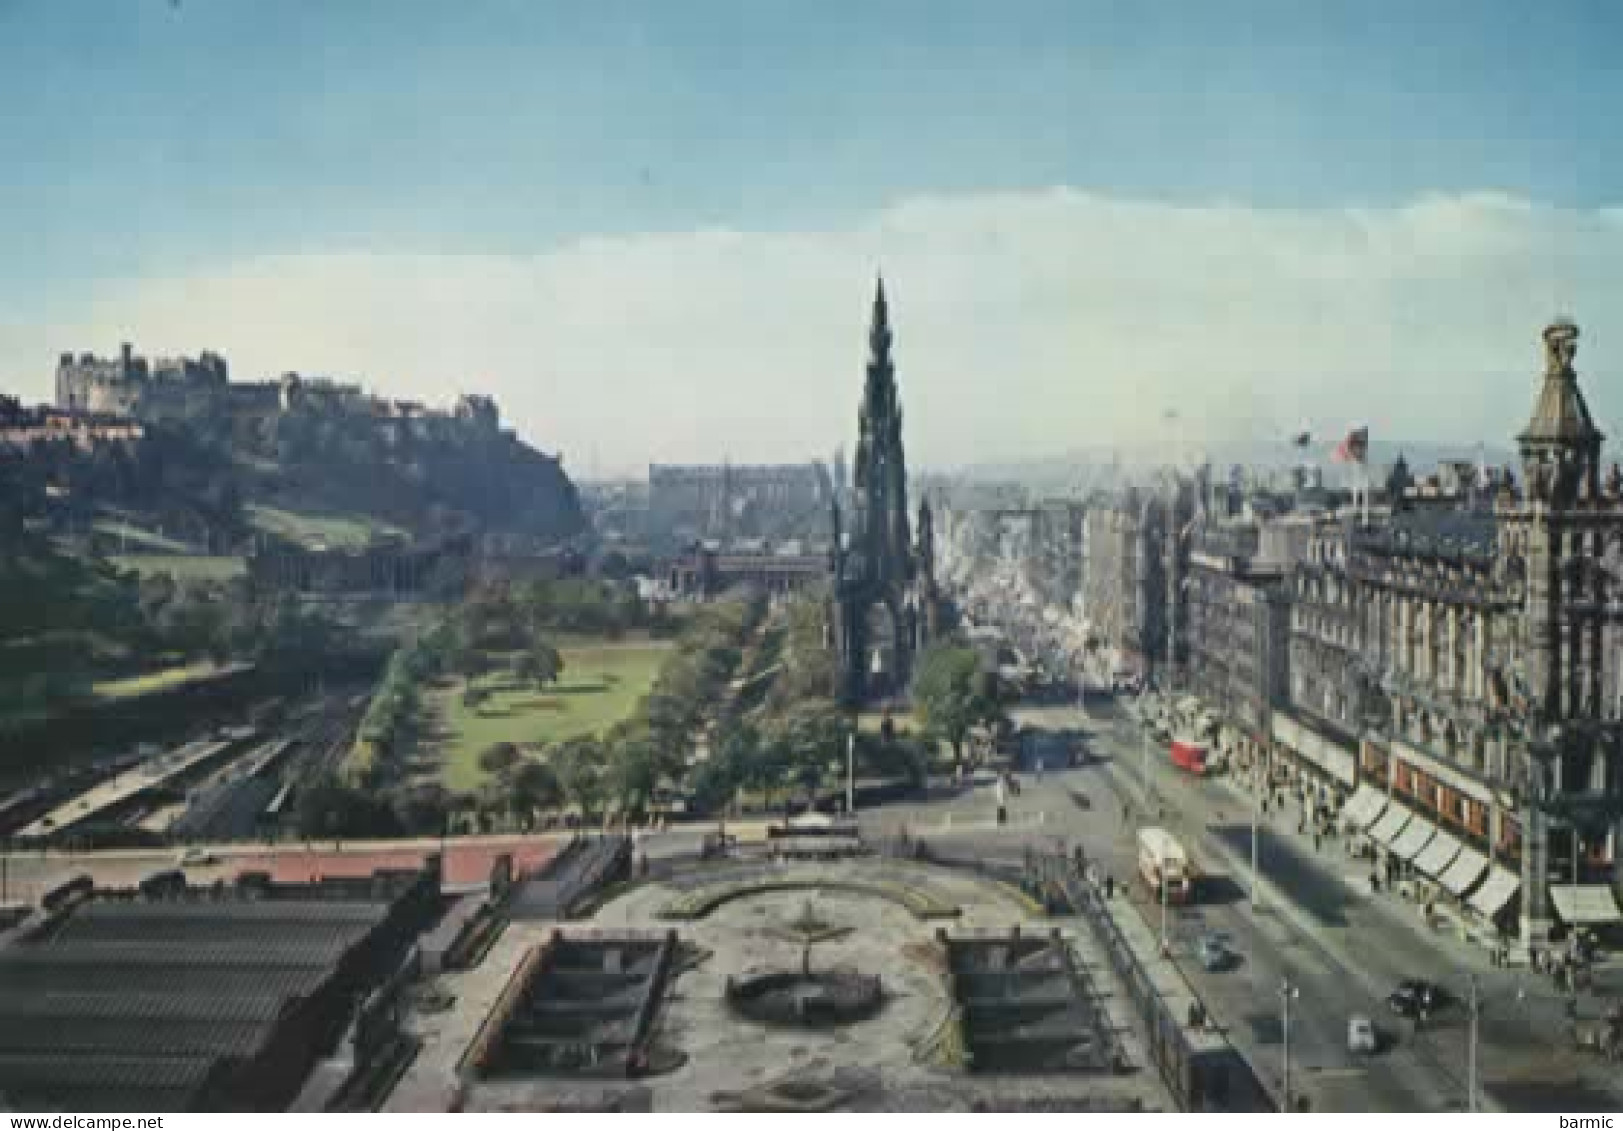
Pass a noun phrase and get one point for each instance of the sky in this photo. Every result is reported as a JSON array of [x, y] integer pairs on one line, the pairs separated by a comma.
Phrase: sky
[[651, 228]]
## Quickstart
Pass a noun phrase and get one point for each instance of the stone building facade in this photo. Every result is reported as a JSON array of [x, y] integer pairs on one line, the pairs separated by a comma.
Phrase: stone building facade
[[1472, 659], [1238, 637], [704, 572], [1110, 587], [1135, 585], [153, 390], [688, 503], [128, 385]]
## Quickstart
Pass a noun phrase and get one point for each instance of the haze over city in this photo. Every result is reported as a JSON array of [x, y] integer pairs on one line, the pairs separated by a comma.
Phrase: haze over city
[[614, 216]]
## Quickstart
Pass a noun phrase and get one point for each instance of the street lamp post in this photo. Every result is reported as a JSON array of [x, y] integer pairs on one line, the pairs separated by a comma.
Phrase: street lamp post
[[1475, 1001], [1287, 993], [851, 774], [1470, 1052], [1166, 943], [1144, 757], [1256, 870]]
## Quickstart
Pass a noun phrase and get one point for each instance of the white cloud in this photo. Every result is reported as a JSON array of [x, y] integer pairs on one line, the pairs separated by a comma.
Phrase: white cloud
[[1027, 323]]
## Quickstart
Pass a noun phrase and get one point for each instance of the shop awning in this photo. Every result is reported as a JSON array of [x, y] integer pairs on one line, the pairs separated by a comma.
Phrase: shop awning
[[1496, 892], [1438, 855], [1416, 835], [1582, 904], [1364, 807], [1386, 830], [1466, 870]]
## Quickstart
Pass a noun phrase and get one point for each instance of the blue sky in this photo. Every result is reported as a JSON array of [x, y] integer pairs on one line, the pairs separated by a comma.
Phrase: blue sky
[[156, 153]]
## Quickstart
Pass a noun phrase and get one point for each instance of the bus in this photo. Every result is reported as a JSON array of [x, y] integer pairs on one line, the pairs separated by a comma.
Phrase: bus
[[1189, 756], [1165, 866]]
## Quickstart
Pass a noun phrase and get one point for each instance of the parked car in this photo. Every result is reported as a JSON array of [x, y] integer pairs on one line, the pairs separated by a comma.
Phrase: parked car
[[1213, 952], [1361, 1036], [1414, 997]]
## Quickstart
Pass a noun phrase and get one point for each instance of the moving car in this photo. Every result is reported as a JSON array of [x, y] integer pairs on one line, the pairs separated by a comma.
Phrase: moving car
[[1213, 952], [1361, 1035], [196, 858], [1415, 996]]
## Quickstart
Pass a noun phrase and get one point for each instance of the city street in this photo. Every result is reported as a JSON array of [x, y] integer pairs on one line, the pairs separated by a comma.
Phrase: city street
[[1317, 928], [1318, 908]]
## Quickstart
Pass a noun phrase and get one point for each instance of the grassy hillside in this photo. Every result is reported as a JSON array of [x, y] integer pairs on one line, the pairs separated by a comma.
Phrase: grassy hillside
[[329, 531]]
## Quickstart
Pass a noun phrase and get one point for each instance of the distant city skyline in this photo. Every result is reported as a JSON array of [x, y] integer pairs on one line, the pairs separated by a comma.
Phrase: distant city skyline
[[652, 229]]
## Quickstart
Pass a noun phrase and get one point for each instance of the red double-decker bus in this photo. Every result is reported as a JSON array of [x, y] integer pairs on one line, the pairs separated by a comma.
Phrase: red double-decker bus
[[1189, 756]]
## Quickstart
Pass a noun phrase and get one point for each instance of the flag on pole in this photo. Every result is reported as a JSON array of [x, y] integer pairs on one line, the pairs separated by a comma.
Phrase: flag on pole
[[1354, 448]]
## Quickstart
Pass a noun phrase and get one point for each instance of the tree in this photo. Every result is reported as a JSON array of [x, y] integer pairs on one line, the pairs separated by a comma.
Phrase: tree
[[540, 665], [812, 735], [425, 810], [328, 808], [632, 775], [954, 695], [499, 760], [535, 785], [579, 766]]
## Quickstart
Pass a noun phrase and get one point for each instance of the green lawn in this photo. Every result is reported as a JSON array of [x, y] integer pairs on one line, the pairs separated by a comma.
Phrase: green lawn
[[335, 531], [869, 722], [601, 685], [155, 681], [140, 538], [183, 567]]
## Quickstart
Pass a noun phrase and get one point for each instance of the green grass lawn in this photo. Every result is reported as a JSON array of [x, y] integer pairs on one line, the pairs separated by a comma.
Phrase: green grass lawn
[[155, 681], [139, 538], [335, 531], [869, 722], [183, 567], [600, 686]]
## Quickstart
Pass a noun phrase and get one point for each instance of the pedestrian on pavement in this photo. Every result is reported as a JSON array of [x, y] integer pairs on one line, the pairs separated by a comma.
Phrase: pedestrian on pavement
[[1110, 887], [1318, 838]]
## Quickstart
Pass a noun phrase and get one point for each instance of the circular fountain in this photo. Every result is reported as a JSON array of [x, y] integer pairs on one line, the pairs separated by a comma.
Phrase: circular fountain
[[805, 997]]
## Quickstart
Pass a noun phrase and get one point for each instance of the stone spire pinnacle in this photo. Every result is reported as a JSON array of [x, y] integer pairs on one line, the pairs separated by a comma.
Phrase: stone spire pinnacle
[[879, 338], [1560, 414], [1560, 446]]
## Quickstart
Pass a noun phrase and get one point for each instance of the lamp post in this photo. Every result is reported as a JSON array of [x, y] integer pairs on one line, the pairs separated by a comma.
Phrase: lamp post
[[1144, 748], [1256, 870], [1470, 1052], [1475, 1002], [1287, 993], [1166, 943], [851, 774]]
